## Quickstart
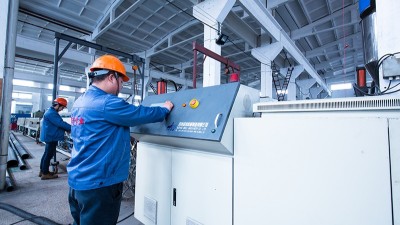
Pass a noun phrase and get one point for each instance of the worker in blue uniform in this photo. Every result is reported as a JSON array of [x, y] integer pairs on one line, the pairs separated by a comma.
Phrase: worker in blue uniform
[[53, 128], [100, 132]]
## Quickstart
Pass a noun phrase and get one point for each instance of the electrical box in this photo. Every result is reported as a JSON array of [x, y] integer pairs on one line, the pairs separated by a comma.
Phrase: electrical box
[[391, 68]]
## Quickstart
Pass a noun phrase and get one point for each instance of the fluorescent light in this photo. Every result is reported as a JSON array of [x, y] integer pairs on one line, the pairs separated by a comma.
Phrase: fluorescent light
[[65, 88], [23, 83], [17, 95], [344, 86]]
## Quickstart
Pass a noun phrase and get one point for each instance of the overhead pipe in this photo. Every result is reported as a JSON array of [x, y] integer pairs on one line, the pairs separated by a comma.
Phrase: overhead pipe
[[21, 150], [209, 53], [6, 96]]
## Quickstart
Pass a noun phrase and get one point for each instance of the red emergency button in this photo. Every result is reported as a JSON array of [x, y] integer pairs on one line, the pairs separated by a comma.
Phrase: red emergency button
[[194, 103]]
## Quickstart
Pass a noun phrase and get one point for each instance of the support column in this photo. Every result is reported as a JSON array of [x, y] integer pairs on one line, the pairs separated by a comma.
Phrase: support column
[[146, 79], [211, 67], [212, 13], [183, 76], [10, 9], [92, 51], [315, 91], [291, 93], [266, 82], [265, 55], [305, 86], [3, 37], [41, 97], [87, 70], [291, 96]]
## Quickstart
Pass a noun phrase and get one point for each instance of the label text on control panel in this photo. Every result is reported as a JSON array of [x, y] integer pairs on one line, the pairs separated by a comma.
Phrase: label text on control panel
[[192, 127]]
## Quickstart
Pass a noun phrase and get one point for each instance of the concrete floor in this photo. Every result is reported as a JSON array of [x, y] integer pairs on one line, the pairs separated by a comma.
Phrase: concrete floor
[[45, 198]]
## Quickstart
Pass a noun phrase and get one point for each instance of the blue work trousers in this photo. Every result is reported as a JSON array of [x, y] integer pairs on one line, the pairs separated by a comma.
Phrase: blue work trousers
[[98, 206], [49, 152]]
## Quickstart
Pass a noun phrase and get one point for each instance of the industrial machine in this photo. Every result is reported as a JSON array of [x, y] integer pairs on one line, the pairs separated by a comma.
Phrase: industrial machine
[[184, 170], [31, 127], [312, 162]]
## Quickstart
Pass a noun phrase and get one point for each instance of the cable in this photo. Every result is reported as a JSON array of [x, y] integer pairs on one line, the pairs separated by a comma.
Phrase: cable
[[386, 93], [165, 66], [363, 92], [391, 92], [25, 220], [173, 82], [389, 88], [26, 215], [126, 217], [126, 99], [238, 47], [156, 67], [192, 15]]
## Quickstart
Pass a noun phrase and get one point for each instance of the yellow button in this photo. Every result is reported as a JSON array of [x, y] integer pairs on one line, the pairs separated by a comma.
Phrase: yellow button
[[194, 103]]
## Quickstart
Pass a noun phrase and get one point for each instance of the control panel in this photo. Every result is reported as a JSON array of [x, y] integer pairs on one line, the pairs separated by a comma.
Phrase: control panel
[[197, 113], [199, 120]]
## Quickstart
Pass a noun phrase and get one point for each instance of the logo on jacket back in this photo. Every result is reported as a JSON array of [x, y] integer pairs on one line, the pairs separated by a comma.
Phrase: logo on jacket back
[[75, 121]]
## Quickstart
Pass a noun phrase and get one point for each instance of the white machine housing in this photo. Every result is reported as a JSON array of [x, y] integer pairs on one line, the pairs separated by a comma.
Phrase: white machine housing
[[186, 177], [334, 161]]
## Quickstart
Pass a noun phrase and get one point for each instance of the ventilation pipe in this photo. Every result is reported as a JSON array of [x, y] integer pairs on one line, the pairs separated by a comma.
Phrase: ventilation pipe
[[369, 36]]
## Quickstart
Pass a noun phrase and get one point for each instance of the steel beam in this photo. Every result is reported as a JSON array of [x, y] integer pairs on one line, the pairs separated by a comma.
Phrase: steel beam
[[270, 25]]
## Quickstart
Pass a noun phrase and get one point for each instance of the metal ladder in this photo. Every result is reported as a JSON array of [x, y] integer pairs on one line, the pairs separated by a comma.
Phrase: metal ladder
[[281, 90]]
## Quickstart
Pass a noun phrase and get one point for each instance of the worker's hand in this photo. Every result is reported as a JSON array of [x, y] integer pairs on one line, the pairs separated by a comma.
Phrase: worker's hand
[[168, 105]]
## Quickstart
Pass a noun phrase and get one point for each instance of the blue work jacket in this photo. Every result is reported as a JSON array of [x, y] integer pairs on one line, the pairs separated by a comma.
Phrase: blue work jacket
[[100, 132], [53, 126]]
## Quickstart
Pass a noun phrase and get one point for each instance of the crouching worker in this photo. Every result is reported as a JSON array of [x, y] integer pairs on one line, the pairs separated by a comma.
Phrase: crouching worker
[[100, 131]]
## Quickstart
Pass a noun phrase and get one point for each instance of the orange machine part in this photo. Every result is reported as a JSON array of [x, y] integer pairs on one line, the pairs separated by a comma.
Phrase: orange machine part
[[161, 87], [361, 77]]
